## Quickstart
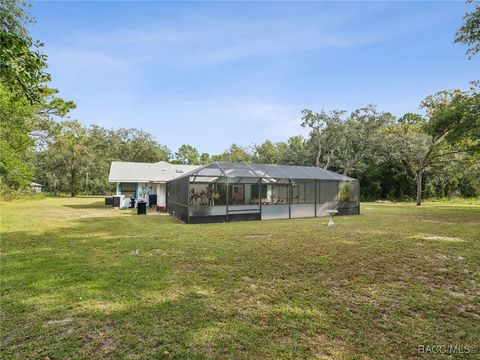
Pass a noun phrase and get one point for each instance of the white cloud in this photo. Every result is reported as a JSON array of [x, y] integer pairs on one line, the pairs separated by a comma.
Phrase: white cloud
[[86, 59], [196, 40]]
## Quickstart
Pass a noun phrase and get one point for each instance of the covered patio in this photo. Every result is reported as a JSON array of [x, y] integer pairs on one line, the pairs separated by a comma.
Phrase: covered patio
[[223, 191]]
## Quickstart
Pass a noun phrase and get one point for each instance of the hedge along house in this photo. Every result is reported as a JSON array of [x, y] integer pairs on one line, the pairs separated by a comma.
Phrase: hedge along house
[[138, 180], [230, 191]]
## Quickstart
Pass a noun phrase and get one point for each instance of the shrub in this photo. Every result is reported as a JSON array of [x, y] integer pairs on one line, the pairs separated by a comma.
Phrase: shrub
[[346, 192]]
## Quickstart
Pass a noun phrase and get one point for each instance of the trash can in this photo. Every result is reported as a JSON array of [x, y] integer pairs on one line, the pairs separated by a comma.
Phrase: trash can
[[152, 200], [109, 201], [142, 208]]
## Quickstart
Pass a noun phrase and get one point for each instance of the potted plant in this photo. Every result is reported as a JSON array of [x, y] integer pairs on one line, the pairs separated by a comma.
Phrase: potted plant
[[206, 197]]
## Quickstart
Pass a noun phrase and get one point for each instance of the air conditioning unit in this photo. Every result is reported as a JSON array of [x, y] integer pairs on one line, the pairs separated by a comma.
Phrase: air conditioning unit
[[118, 201]]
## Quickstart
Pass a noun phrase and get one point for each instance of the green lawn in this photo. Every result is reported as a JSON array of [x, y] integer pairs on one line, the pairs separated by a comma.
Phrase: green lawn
[[83, 281]]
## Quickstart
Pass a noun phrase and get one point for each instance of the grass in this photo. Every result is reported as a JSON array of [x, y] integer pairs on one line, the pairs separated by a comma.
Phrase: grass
[[83, 281]]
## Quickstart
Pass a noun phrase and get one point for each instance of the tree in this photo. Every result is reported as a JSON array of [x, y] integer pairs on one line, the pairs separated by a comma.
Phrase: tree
[[16, 115], [47, 111], [67, 157], [360, 136], [100, 147], [296, 152], [187, 155], [235, 153], [22, 64], [205, 158], [412, 146], [469, 32], [267, 153], [325, 127], [455, 114], [28, 106], [137, 146], [343, 142], [449, 130]]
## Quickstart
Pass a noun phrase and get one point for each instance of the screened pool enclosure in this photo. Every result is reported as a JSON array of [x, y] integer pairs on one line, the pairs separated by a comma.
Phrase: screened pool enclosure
[[232, 191]]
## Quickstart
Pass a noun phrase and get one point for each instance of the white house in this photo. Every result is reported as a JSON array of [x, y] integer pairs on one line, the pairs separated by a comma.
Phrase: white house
[[141, 179], [36, 187]]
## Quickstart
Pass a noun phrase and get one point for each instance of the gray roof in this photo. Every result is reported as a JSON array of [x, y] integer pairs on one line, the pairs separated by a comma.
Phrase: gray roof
[[35, 184], [265, 171], [146, 172]]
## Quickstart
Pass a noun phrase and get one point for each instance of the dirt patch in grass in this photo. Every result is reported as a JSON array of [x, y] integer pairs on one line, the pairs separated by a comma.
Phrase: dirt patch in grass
[[257, 236], [64, 321]]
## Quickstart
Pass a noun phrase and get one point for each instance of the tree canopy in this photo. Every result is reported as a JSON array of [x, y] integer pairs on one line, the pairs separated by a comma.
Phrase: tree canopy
[[469, 32]]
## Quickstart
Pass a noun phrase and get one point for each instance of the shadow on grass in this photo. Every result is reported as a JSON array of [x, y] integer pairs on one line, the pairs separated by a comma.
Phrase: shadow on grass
[[93, 205]]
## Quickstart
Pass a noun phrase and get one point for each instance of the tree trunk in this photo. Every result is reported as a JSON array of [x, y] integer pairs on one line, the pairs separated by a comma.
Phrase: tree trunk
[[73, 192], [419, 187], [319, 153]]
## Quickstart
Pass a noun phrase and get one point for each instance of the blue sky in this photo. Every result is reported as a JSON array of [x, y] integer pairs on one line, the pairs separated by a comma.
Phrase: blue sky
[[211, 74]]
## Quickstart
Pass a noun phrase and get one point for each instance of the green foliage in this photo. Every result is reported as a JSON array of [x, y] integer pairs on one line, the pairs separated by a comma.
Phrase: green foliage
[[235, 153], [469, 32], [77, 159], [187, 155], [267, 152], [205, 159], [346, 192], [16, 145], [66, 157], [22, 64], [455, 116], [342, 141], [325, 130], [296, 152], [137, 146]]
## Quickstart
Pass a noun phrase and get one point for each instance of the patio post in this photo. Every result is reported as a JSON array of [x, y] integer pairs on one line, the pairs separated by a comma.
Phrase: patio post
[[289, 198], [226, 215], [260, 196]]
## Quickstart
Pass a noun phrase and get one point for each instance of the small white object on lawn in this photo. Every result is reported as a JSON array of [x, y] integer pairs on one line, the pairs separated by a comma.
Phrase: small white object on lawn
[[331, 212]]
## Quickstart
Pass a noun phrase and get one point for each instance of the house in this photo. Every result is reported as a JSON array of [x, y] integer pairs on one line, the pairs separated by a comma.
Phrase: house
[[223, 191], [138, 180], [36, 187]]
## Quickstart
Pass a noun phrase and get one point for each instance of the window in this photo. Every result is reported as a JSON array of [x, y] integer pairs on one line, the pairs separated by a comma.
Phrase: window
[[275, 194], [243, 194], [237, 194], [128, 189]]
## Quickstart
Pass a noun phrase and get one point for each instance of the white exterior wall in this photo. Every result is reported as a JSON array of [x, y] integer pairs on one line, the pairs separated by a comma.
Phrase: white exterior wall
[[161, 190]]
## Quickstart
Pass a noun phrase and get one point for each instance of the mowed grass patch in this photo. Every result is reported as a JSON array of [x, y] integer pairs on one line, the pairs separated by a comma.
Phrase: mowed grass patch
[[80, 280]]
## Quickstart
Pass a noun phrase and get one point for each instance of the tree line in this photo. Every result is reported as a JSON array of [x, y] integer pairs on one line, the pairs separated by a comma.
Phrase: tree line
[[432, 154]]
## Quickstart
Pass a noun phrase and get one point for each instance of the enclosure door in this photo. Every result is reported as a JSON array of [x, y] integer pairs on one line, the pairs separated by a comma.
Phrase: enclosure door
[[237, 191]]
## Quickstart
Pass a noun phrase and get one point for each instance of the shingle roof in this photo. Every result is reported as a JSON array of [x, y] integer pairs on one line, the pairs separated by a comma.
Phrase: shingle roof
[[266, 171], [146, 172]]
